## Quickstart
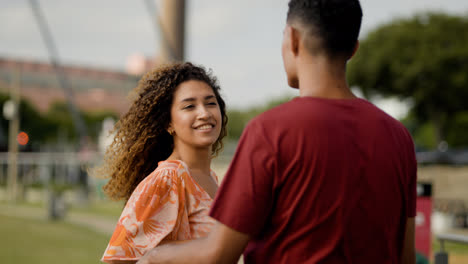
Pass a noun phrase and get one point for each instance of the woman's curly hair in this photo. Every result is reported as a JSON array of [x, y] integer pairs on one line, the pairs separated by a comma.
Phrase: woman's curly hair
[[141, 138]]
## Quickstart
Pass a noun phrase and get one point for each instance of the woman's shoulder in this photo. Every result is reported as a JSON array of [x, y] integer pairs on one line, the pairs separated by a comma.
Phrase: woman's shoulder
[[174, 164], [180, 168], [165, 178], [167, 169], [177, 167]]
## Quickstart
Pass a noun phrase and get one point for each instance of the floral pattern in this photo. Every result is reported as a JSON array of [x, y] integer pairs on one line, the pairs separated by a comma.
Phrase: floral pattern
[[167, 205]]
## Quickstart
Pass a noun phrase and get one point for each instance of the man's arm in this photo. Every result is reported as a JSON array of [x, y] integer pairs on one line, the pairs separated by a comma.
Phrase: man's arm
[[222, 245], [121, 261], [409, 252]]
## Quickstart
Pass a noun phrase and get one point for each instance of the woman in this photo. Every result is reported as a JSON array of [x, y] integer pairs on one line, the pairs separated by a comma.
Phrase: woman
[[160, 161]]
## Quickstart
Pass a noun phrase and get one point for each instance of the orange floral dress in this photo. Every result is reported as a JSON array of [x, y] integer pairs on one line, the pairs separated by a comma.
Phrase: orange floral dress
[[167, 205]]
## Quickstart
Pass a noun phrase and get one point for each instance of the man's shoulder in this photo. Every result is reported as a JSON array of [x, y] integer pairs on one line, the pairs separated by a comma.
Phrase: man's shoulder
[[390, 120], [388, 126], [280, 111]]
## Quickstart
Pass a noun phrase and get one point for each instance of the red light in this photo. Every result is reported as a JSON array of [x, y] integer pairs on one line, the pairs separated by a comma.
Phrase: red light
[[22, 138]]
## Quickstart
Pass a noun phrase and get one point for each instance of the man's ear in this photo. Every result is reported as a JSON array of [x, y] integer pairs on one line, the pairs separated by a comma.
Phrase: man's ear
[[295, 38], [291, 40]]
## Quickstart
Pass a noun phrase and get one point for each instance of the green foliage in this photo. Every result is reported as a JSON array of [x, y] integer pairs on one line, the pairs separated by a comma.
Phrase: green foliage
[[458, 130], [238, 119], [424, 58], [423, 133], [3, 125], [31, 122], [236, 123], [94, 120], [62, 124], [34, 124], [60, 117], [50, 126], [424, 136], [57, 123]]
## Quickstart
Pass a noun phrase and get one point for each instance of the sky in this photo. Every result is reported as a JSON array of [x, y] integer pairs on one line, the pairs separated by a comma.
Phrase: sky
[[239, 40]]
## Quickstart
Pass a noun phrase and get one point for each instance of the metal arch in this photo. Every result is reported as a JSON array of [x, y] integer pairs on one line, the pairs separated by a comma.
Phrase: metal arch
[[54, 59], [152, 10]]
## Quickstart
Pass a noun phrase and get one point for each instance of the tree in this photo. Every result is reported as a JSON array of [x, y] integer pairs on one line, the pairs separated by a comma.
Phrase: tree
[[238, 119], [59, 115], [424, 58], [31, 121], [46, 128]]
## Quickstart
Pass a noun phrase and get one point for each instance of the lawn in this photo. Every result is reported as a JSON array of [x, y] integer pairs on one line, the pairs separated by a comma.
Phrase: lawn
[[29, 240], [26, 240], [458, 253], [42, 241], [101, 208]]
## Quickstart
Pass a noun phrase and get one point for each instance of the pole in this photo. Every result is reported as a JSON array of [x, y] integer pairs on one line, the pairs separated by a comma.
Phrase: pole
[[173, 29], [12, 144]]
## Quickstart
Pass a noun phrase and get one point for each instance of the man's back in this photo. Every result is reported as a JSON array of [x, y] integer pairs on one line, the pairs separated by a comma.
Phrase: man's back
[[337, 186], [315, 180]]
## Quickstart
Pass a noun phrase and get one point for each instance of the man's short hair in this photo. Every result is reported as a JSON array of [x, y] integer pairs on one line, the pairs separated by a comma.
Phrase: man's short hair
[[334, 23]]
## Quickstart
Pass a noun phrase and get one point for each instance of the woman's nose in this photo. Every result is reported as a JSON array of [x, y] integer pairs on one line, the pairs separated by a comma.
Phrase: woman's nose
[[204, 113]]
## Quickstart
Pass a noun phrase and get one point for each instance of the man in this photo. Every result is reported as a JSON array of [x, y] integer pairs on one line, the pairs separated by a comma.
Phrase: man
[[324, 178]]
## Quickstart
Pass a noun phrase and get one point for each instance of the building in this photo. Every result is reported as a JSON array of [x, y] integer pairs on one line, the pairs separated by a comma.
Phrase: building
[[93, 89]]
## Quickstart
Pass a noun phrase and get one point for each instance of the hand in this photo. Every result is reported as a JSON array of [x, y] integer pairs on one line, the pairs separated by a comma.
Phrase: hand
[[146, 259], [222, 245]]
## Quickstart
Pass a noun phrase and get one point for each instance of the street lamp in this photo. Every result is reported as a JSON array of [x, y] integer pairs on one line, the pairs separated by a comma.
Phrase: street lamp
[[11, 113]]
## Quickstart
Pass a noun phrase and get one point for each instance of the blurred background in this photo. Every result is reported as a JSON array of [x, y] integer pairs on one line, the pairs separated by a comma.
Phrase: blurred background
[[67, 67]]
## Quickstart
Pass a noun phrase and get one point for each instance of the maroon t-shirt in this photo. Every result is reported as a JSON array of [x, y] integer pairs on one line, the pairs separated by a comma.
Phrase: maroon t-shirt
[[321, 181]]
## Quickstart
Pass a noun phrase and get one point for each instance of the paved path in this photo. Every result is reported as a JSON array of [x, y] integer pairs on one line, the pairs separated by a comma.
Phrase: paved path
[[98, 223]]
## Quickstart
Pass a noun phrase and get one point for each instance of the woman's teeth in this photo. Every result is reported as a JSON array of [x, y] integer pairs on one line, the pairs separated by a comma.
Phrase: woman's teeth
[[204, 127]]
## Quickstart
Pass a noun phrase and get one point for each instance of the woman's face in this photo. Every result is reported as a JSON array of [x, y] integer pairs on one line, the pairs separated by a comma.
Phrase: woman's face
[[195, 115]]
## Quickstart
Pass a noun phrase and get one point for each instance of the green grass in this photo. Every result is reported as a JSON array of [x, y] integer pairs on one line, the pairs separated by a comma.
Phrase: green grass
[[37, 204], [450, 247], [97, 207], [41, 242], [101, 207]]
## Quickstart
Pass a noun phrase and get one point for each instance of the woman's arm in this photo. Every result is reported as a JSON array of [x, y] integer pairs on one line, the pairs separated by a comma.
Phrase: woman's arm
[[121, 261], [148, 217], [222, 245]]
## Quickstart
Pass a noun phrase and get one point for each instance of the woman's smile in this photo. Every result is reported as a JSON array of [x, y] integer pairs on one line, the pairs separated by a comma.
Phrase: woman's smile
[[195, 115], [205, 127]]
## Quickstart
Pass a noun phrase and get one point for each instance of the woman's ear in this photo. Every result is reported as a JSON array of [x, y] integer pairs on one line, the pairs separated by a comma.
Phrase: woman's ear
[[170, 130]]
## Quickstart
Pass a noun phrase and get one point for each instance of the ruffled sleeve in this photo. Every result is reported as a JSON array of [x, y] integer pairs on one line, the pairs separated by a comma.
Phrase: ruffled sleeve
[[150, 215]]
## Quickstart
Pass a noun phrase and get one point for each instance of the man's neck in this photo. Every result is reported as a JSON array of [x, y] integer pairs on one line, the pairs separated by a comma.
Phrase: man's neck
[[323, 78]]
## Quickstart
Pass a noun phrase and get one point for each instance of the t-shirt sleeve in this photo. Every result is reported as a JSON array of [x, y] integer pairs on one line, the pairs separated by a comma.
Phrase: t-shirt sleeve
[[148, 217], [412, 181], [245, 198]]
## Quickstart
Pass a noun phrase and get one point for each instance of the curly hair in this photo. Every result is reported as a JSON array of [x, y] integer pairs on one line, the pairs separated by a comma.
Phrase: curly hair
[[141, 138]]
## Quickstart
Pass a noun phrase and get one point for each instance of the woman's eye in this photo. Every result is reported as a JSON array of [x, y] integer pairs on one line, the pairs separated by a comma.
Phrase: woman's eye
[[212, 103], [188, 107]]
